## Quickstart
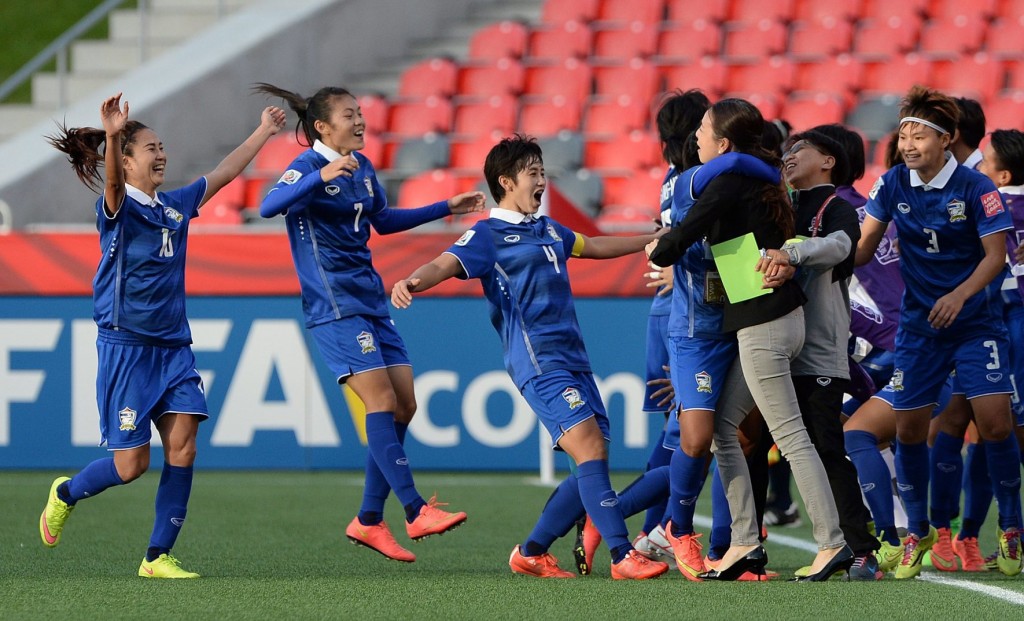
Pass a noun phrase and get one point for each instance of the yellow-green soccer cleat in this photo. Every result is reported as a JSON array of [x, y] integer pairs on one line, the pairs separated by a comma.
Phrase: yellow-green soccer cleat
[[1009, 559], [913, 553], [889, 556], [164, 566], [55, 513]]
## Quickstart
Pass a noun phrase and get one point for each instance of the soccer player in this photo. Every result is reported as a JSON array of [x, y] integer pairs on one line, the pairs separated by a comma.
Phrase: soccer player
[[520, 259], [951, 226], [146, 373], [330, 196]]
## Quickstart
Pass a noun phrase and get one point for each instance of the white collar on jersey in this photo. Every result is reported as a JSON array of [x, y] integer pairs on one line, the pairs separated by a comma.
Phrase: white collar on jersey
[[940, 180], [512, 217], [325, 151], [141, 196], [1016, 190], [973, 159]]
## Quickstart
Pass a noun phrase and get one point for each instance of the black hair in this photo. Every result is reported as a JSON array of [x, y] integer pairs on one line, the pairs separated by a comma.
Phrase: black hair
[[931, 105], [1009, 147], [825, 144], [853, 148], [309, 109], [972, 122], [82, 146], [678, 118], [508, 158]]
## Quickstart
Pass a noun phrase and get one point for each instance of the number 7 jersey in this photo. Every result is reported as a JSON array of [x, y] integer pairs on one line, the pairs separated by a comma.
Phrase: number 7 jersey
[[521, 264]]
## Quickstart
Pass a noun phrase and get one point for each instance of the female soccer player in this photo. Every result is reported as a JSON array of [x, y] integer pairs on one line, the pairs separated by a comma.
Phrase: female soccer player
[[769, 332], [520, 259], [330, 196], [146, 366], [951, 226]]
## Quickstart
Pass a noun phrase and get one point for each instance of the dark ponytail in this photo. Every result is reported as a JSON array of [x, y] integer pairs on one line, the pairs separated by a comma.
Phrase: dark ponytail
[[309, 110], [82, 146]]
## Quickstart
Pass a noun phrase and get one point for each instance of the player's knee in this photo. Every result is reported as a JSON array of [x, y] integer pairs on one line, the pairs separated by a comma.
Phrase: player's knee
[[696, 445], [133, 468], [405, 409]]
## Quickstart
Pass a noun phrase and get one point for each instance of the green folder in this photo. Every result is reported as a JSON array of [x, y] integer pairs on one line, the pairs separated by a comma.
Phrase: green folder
[[736, 260]]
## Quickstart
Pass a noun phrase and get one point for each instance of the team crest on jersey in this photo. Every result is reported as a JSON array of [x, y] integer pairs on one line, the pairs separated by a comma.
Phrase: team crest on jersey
[[512, 238], [897, 380], [173, 214], [127, 418], [369, 185], [703, 381], [903, 207], [290, 176], [875, 188], [468, 235], [365, 340], [572, 397], [992, 203], [554, 234], [957, 210], [332, 190]]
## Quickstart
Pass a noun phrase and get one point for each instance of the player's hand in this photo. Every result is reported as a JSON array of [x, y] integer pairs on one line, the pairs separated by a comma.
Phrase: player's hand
[[649, 248], [660, 277], [273, 119], [401, 293], [112, 115], [466, 202], [945, 311], [341, 167], [666, 392], [781, 275]]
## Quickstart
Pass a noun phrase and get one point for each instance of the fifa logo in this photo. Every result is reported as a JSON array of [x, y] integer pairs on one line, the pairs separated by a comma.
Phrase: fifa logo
[[703, 381], [127, 418], [572, 397], [365, 340]]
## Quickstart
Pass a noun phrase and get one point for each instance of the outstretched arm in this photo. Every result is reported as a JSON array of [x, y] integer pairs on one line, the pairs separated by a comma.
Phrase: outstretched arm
[[610, 247], [114, 119], [425, 277], [271, 121]]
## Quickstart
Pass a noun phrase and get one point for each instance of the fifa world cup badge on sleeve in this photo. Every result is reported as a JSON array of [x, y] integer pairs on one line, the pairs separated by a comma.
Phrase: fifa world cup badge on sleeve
[[572, 397], [127, 418], [365, 340]]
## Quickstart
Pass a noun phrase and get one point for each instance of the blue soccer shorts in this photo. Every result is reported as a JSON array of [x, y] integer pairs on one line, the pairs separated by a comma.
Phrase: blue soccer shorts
[[657, 359], [699, 368], [358, 344], [564, 399]]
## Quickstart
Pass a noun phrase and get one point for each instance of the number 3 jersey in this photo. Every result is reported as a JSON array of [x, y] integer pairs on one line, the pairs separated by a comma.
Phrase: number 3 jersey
[[139, 288], [939, 227], [521, 263]]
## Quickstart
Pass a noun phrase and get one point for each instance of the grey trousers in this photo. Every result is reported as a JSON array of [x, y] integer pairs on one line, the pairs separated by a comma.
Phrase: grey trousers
[[761, 376]]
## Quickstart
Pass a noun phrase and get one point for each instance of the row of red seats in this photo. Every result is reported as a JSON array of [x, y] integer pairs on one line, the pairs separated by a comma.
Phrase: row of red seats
[[650, 11]]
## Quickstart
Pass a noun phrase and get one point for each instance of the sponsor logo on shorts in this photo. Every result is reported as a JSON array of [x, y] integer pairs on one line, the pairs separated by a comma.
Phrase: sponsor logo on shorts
[[572, 397], [703, 381], [365, 340], [127, 418], [824, 381]]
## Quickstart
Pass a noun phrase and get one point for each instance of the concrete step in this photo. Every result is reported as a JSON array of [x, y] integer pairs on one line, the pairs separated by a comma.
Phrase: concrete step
[[161, 26], [14, 118], [522, 10], [46, 86], [114, 56], [227, 6]]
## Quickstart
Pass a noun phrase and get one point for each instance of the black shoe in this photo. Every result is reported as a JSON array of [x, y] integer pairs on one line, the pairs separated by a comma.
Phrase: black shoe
[[753, 561], [579, 554], [840, 562]]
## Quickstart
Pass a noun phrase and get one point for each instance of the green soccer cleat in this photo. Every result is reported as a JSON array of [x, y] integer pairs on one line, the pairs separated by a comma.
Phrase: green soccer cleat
[[914, 549], [55, 513], [1009, 560], [164, 566], [889, 556]]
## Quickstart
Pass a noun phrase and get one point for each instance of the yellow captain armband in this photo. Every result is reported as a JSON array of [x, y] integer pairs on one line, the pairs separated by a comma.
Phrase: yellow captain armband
[[577, 247]]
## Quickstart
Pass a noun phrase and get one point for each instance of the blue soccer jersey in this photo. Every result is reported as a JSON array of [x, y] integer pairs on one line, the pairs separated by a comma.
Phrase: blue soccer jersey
[[662, 304], [521, 263], [939, 225], [139, 288]]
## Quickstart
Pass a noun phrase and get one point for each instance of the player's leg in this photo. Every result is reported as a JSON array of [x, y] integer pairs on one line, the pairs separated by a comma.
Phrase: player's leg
[[947, 476]]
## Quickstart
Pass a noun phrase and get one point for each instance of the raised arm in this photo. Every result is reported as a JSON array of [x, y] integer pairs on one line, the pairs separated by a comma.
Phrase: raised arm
[[271, 122], [425, 277], [114, 118]]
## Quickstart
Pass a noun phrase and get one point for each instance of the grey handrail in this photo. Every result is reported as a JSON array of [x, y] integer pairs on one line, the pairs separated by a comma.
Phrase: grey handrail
[[58, 48]]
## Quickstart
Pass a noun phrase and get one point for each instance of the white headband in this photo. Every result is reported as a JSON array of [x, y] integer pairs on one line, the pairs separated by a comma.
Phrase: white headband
[[914, 119]]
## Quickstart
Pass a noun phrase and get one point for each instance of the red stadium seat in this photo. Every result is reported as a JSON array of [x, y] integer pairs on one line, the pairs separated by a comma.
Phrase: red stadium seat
[[689, 41], [641, 187], [878, 150], [556, 43], [1015, 81], [978, 77], [687, 11], [886, 38], [953, 37], [840, 75], [757, 10], [627, 218], [570, 78], [624, 152], [1004, 38], [373, 149], [503, 76], [637, 78], [434, 77], [806, 111], [769, 104], [375, 111], [1005, 112], [884, 9], [896, 75], [776, 75], [1010, 9], [754, 40], [469, 156], [415, 118], [232, 195], [216, 214], [708, 74], [646, 11], [816, 10], [864, 184], [549, 115], [976, 10], [426, 188], [634, 39], [624, 113], [276, 155], [496, 113], [504, 39], [561, 11], [821, 38]]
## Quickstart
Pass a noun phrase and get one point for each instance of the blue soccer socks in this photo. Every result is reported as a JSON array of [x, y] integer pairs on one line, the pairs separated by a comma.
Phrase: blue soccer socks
[[91, 480]]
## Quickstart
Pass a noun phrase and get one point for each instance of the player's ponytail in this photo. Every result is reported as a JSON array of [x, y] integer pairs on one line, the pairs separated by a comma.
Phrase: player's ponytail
[[309, 110], [82, 146]]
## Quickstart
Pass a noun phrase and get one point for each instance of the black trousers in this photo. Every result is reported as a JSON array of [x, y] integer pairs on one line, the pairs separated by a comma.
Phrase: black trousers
[[821, 403]]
